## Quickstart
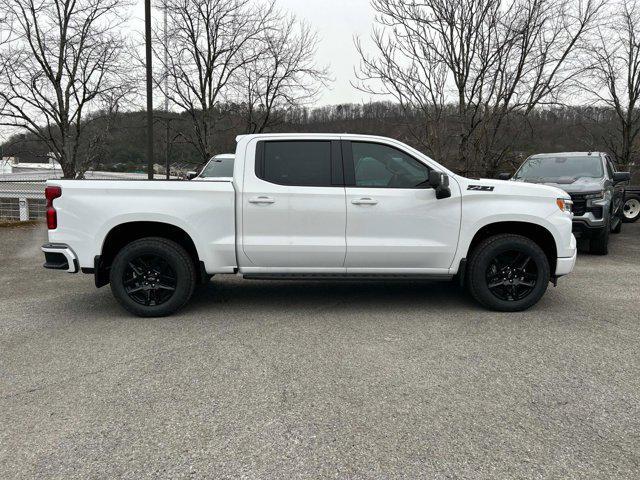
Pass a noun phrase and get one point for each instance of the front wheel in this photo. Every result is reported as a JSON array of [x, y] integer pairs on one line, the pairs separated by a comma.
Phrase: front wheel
[[508, 273], [152, 277], [599, 244]]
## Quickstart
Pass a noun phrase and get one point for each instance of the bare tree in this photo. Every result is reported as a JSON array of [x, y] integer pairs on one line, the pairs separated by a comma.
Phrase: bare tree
[[208, 42], [63, 64], [614, 76], [282, 75], [6, 33], [467, 65]]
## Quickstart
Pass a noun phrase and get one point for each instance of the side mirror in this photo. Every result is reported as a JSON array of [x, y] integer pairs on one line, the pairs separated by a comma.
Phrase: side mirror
[[504, 176], [621, 177], [440, 182], [191, 175]]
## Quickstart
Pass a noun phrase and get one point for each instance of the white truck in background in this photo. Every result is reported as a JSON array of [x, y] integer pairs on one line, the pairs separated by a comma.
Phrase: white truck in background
[[218, 167], [303, 206]]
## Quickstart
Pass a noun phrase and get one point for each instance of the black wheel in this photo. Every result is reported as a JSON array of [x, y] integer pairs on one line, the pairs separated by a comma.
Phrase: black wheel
[[631, 209], [508, 273], [152, 277], [599, 244]]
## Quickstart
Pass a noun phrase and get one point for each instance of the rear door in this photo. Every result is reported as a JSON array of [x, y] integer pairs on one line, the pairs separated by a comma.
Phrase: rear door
[[294, 213], [395, 224]]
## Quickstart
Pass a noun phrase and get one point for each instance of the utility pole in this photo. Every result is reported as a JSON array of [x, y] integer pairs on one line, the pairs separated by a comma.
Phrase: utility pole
[[147, 34], [166, 91]]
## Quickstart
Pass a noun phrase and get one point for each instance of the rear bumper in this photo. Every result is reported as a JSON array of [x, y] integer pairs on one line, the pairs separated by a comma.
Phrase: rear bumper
[[59, 256]]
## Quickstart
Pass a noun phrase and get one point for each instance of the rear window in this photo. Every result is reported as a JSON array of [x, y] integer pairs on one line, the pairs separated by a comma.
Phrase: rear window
[[303, 163], [550, 167]]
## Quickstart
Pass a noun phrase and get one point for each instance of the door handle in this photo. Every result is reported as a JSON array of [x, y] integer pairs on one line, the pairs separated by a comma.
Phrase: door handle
[[364, 201], [262, 199]]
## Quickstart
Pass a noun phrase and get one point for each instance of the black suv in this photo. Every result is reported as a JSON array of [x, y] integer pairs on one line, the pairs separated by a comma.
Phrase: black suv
[[596, 188]]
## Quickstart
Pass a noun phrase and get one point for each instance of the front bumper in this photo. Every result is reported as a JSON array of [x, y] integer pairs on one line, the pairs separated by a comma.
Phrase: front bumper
[[564, 265], [587, 226], [59, 256]]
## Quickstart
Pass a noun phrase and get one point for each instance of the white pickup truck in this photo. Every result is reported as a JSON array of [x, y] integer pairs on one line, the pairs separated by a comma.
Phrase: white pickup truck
[[309, 206]]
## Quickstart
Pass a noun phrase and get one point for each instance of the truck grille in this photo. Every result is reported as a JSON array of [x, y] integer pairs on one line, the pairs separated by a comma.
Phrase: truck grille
[[579, 203]]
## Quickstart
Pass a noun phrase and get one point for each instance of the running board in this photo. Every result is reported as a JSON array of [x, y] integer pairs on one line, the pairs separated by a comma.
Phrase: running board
[[344, 276]]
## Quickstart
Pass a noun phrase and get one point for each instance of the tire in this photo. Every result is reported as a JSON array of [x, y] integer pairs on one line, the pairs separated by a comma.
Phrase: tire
[[164, 288], [483, 271], [599, 245], [631, 209], [618, 228]]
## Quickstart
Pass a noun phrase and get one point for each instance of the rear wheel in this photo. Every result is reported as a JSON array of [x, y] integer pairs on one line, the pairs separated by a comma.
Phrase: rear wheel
[[152, 277], [631, 209], [508, 273]]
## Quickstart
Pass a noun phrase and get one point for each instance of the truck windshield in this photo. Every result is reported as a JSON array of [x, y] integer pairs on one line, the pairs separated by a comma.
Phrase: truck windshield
[[218, 167], [545, 168]]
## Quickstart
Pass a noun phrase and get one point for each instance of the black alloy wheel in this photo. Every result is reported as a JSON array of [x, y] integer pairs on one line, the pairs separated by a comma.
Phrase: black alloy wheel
[[153, 276], [507, 272], [512, 275], [149, 280]]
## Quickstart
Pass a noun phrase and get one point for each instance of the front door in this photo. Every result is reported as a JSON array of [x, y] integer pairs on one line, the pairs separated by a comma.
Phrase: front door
[[618, 188], [294, 214], [395, 224]]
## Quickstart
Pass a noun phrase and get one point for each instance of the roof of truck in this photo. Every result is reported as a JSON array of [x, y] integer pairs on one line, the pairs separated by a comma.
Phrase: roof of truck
[[569, 154], [312, 135]]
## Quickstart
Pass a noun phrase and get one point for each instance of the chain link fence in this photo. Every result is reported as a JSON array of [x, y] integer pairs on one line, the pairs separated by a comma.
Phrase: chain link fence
[[21, 201], [22, 193]]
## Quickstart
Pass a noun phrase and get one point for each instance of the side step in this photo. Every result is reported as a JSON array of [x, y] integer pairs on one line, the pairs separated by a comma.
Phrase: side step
[[343, 276]]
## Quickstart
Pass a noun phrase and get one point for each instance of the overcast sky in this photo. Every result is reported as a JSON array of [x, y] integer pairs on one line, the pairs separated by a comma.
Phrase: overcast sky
[[336, 21]]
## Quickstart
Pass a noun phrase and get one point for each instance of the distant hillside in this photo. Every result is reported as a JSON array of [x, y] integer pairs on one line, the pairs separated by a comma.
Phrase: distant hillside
[[549, 130]]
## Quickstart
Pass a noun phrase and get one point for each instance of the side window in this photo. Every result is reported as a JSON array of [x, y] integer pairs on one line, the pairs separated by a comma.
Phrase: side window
[[301, 163], [382, 166]]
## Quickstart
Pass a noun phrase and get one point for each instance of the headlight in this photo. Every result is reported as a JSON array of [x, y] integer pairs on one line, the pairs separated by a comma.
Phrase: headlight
[[594, 196], [595, 199], [564, 204]]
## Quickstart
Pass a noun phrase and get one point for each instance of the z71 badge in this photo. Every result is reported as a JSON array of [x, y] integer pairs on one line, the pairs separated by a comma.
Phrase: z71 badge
[[482, 188]]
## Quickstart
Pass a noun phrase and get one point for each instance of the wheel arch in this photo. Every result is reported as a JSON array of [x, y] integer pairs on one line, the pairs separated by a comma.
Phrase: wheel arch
[[533, 231], [124, 233]]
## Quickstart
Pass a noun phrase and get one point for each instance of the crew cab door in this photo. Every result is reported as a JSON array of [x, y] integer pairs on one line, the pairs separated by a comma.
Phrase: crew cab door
[[395, 224], [293, 201]]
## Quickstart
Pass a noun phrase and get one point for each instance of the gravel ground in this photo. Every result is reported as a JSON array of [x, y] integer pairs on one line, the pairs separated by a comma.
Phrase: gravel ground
[[319, 380]]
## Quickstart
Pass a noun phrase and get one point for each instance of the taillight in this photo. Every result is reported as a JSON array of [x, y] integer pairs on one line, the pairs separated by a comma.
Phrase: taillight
[[51, 193]]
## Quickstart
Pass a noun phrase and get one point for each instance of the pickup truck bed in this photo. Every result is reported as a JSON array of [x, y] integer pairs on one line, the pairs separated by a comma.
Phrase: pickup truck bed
[[95, 212]]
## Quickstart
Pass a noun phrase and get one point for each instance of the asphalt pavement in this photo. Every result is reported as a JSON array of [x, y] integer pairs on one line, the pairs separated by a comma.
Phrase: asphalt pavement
[[258, 379]]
